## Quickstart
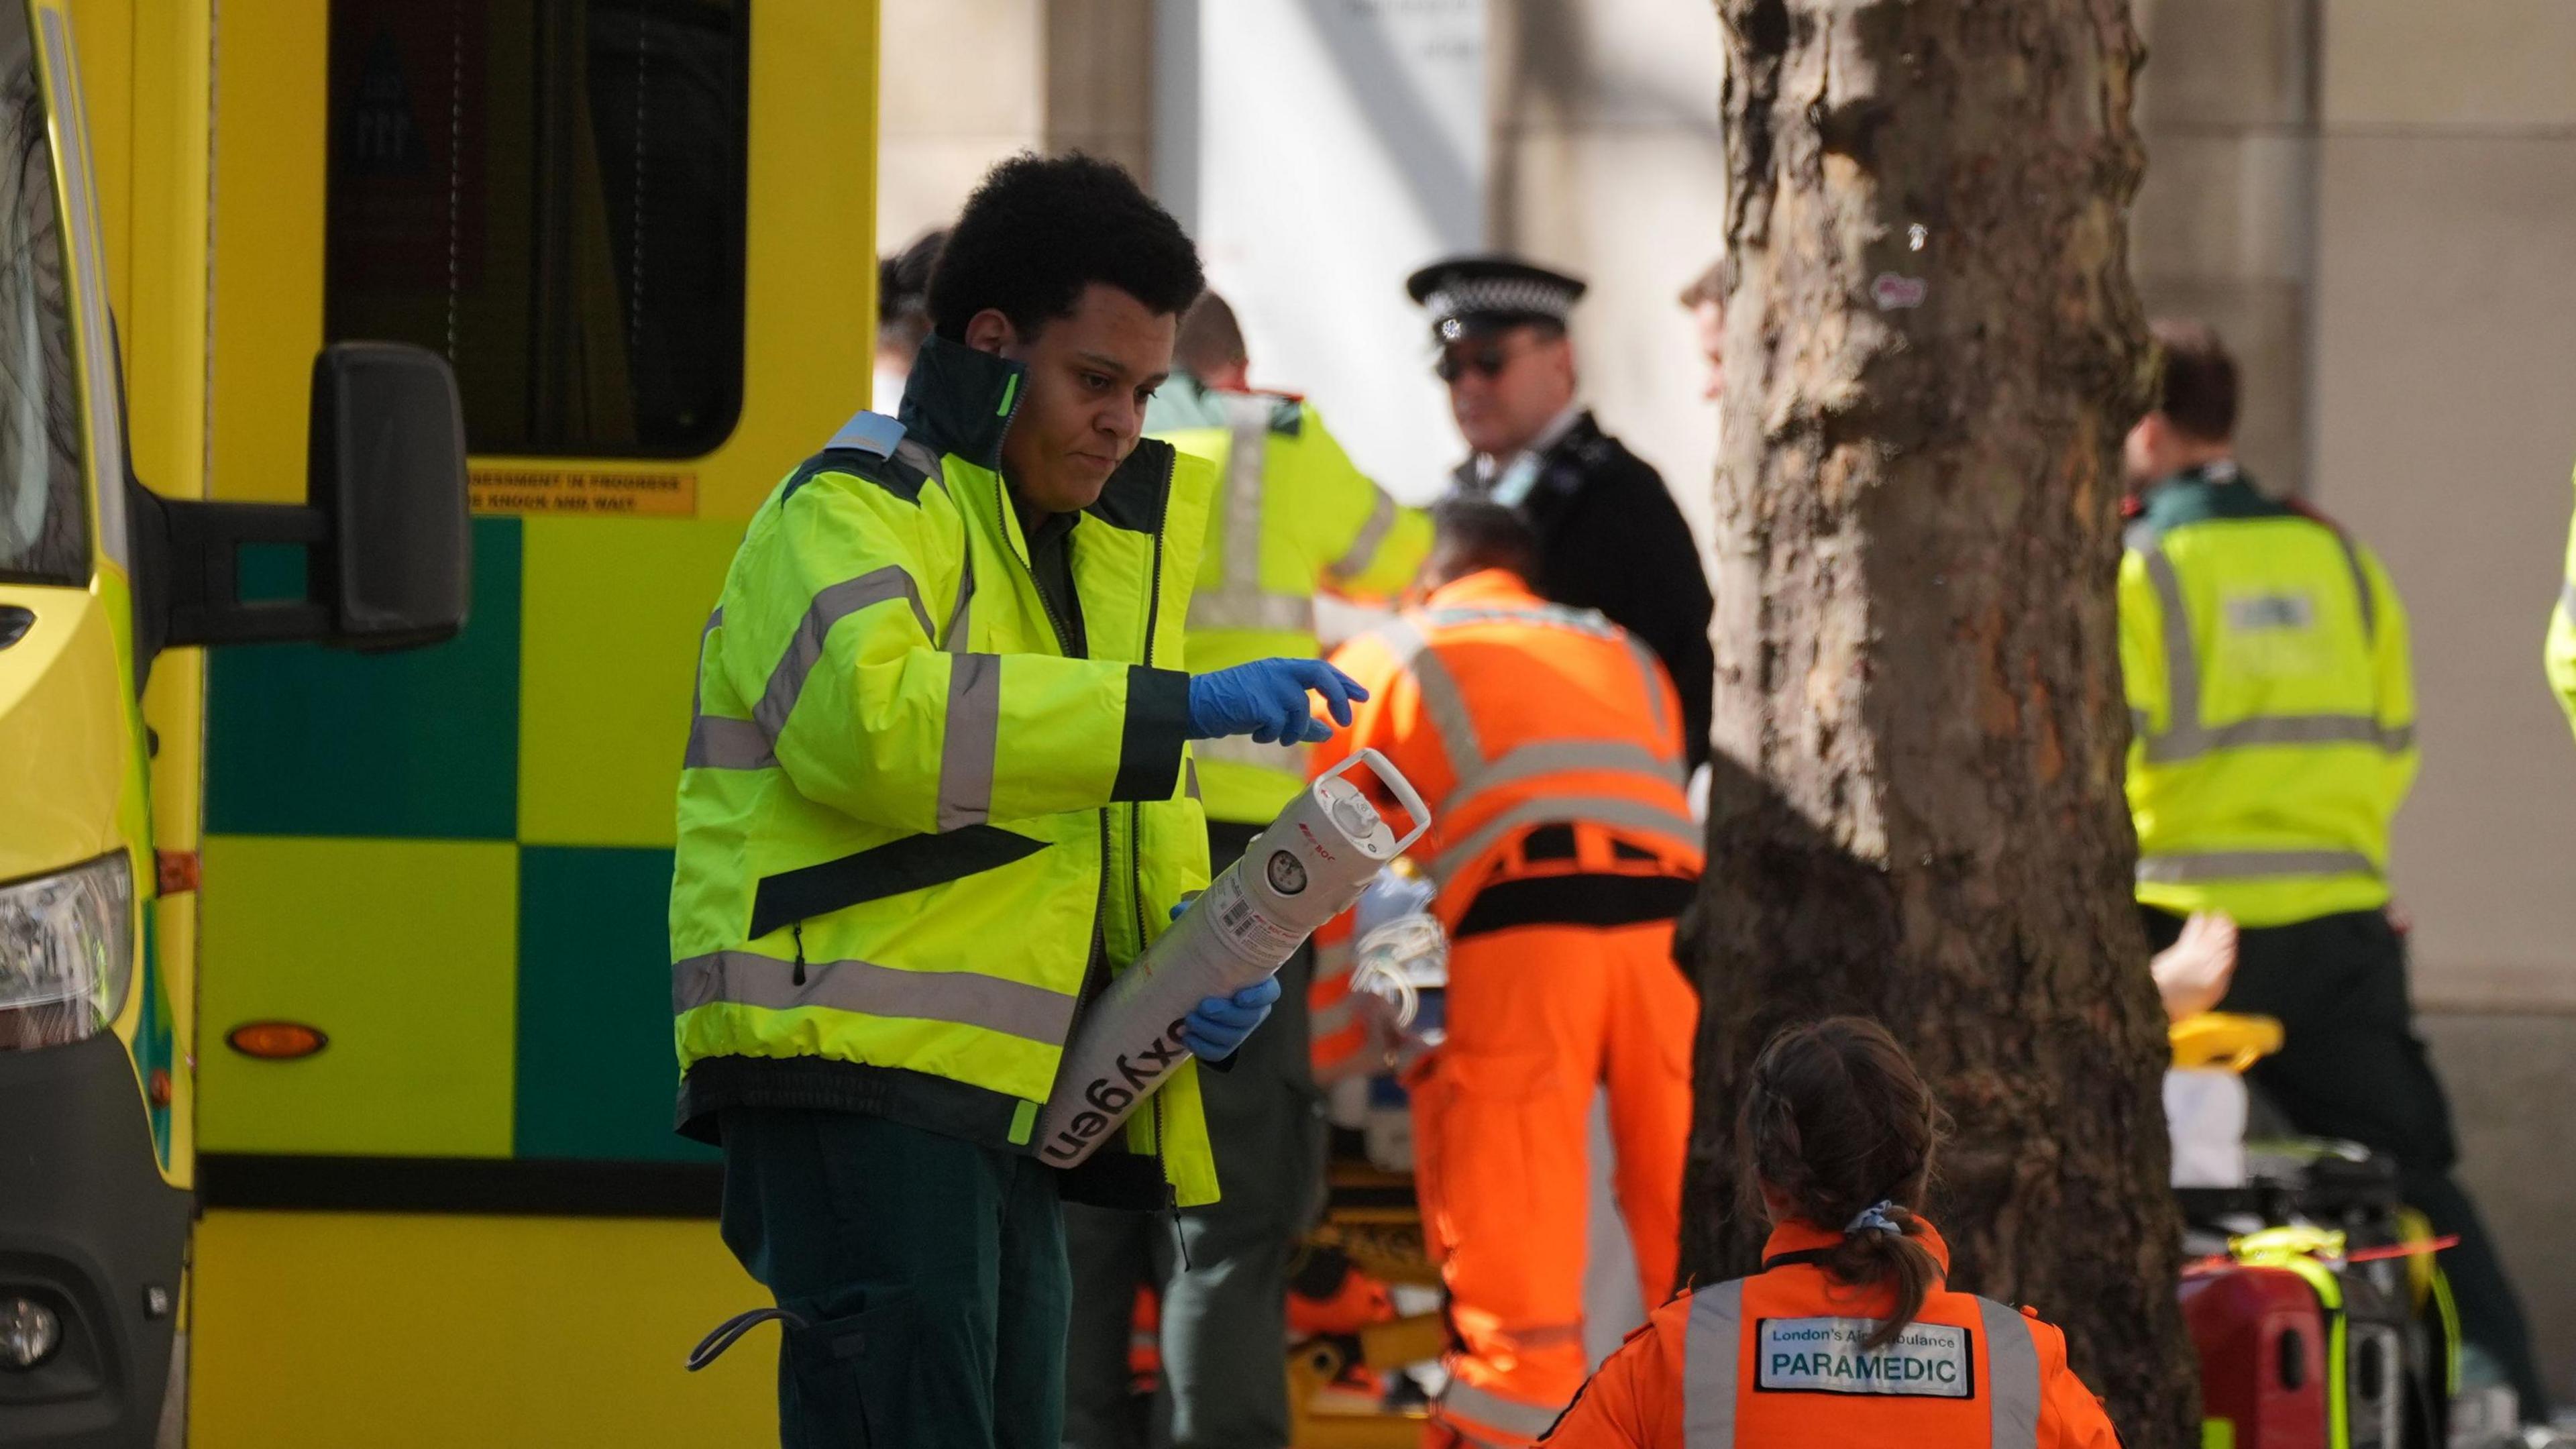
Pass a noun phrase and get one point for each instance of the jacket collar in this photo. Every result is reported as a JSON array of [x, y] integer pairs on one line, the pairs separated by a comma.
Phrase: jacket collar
[[2213, 490], [961, 400], [1795, 1236], [1485, 588]]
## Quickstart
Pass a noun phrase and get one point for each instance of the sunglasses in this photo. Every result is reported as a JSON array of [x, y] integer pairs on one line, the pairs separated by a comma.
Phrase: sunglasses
[[1485, 359]]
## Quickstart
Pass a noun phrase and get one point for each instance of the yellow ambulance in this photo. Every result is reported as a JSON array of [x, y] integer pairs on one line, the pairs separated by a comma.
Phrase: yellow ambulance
[[428, 356]]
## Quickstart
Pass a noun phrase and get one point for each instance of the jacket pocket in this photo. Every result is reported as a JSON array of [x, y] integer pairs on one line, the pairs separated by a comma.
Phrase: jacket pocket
[[849, 1380]]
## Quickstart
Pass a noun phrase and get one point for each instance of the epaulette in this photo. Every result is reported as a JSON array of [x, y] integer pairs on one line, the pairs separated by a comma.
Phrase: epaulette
[[1288, 415], [875, 447]]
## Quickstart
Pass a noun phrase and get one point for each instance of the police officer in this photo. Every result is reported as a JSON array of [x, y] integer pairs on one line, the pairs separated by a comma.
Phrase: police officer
[[934, 798], [2273, 707], [1609, 536], [1293, 516]]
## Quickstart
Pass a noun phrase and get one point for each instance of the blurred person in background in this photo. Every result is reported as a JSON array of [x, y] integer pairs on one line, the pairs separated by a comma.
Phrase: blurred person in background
[[2264, 652], [903, 313]]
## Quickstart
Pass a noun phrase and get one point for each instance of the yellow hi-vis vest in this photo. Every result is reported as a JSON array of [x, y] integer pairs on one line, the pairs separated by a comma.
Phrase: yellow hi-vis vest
[[914, 836], [2558, 654], [1293, 517], [2273, 717]]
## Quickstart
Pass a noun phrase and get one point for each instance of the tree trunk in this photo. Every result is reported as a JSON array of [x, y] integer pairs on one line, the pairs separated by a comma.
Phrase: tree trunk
[[1933, 351]]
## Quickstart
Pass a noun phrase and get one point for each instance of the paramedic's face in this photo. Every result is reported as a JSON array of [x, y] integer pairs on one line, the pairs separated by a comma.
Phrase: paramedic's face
[[1082, 405]]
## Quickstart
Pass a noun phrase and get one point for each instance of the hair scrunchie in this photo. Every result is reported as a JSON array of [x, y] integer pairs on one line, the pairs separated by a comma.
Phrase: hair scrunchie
[[1874, 1219]]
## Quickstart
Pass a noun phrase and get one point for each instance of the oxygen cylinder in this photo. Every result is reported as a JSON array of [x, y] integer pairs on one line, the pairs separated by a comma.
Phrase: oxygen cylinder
[[1306, 867]]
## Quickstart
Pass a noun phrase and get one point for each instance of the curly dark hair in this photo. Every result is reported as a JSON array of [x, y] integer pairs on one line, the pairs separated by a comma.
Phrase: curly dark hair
[[1040, 229]]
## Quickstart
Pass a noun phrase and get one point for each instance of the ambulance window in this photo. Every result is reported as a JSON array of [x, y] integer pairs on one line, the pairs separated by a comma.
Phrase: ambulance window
[[44, 515], [549, 193]]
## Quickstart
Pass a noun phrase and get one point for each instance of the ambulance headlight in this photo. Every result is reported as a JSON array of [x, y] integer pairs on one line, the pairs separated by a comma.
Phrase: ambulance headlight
[[66, 953]]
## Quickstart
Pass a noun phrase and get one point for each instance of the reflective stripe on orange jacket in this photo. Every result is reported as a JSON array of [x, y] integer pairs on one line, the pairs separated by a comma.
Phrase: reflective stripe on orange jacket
[[1775, 1360], [1511, 715]]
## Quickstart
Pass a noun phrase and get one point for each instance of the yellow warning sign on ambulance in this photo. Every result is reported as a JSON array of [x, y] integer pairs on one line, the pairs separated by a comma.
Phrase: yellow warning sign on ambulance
[[606, 493]]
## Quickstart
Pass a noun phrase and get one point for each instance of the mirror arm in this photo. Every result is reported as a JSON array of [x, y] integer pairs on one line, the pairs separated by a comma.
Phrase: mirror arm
[[191, 554]]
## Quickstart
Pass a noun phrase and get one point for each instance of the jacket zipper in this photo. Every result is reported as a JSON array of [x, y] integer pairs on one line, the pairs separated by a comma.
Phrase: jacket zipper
[[1136, 859], [1095, 965]]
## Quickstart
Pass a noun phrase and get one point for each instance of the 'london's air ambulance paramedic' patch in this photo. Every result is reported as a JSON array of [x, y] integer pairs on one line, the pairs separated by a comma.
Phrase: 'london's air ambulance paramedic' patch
[[1826, 1356]]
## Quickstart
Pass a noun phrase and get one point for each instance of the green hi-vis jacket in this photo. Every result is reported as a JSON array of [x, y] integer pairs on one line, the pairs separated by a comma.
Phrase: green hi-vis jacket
[[1293, 516], [2274, 716], [915, 837], [2558, 653]]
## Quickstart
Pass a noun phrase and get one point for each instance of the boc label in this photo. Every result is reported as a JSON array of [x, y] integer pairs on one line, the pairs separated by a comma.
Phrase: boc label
[[1826, 1356]]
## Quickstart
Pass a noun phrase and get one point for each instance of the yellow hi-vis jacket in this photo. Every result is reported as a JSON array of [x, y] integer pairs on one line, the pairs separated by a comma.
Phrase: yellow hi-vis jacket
[[915, 837], [2273, 716], [2558, 654], [1293, 517]]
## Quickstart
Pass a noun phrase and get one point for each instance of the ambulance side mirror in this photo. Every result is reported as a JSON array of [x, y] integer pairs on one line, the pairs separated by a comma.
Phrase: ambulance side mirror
[[386, 468], [384, 533]]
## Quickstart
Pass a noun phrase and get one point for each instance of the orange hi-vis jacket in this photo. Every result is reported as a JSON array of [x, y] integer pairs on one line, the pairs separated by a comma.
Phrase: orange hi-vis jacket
[[1776, 1360], [1547, 742]]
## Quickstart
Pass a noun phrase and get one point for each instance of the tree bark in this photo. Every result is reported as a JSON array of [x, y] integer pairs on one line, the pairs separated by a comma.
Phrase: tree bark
[[1933, 350]]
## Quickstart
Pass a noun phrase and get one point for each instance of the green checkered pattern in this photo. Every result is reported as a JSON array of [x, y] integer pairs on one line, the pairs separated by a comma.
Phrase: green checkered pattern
[[456, 862]]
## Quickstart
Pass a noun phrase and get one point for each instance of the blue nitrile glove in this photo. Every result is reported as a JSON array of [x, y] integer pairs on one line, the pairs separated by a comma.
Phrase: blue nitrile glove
[[1220, 1023], [1266, 699]]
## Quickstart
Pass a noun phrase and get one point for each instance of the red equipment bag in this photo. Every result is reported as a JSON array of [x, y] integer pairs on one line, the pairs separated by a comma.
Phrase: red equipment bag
[[2261, 1336]]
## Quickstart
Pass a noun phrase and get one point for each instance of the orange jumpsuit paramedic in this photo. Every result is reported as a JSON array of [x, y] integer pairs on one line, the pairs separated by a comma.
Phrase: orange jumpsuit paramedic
[[1803, 1352], [1548, 744]]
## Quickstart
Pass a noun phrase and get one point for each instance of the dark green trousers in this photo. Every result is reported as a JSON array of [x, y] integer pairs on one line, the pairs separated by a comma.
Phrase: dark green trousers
[[930, 1274], [2351, 1067], [1224, 1279]]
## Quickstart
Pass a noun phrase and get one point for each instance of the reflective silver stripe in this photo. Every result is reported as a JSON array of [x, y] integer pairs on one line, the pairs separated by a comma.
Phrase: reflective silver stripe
[[717, 742], [1582, 621], [1484, 1407], [805, 649], [1244, 750], [2177, 745], [963, 998], [974, 730], [1553, 756], [2012, 1378], [1709, 1358], [954, 637], [1442, 700], [921, 455], [1650, 678], [1237, 601], [2567, 599], [2189, 867], [1356, 559], [1332, 961], [1331, 1018], [1604, 810], [2182, 671], [1230, 608], [2360, 586]]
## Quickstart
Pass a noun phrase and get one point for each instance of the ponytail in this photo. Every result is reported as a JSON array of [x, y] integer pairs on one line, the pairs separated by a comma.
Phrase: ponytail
[[1838, 1122]]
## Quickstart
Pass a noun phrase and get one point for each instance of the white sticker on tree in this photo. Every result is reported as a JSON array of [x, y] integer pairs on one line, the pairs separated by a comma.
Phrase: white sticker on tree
[[1827, 1356]]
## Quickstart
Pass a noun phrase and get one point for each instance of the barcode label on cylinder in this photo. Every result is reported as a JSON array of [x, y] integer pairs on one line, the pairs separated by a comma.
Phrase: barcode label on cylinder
[[1240, 920]]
